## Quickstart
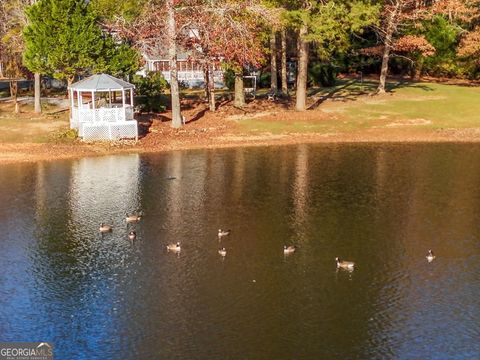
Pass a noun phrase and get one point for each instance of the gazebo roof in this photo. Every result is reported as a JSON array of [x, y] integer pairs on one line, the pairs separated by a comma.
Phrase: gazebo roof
[[101, 82]]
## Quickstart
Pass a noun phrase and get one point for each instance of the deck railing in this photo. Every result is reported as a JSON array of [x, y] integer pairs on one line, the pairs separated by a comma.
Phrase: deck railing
[[102, 114], [104, 123]]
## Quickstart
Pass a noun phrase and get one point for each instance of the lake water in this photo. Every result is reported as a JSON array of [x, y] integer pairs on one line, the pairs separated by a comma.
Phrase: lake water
[[103, 297]]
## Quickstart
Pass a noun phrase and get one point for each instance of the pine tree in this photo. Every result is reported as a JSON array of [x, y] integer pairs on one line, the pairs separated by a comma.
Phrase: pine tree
[[329, 25], [62, 38]]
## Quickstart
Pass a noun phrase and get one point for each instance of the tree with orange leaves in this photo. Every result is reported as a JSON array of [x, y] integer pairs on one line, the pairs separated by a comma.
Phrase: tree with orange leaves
[[12, 45], [213, 32], [397, 15], [228, 33]]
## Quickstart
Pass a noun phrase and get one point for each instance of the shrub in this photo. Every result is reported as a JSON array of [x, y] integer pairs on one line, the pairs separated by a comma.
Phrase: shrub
[[264, 80], [65, 135], [322, 74], [150, 90], [229, 79], [153, 84]]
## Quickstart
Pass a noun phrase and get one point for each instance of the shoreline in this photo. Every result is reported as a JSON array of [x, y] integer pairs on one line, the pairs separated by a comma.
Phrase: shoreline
[[414, 114], [16, 153]]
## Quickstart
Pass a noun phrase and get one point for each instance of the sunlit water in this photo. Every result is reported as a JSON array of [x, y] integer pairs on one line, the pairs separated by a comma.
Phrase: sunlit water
[[103, 297]]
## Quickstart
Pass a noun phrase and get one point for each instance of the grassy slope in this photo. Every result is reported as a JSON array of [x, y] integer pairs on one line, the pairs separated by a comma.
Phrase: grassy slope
[[30, 127], [345, 108], [412, 107]]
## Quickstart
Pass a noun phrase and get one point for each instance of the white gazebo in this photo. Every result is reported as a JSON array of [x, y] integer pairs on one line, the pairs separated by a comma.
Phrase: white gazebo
[[102, 108]]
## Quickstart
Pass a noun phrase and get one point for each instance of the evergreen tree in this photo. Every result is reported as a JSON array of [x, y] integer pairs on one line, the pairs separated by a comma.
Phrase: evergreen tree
[[329, 25], [63, 39], [117, 59]]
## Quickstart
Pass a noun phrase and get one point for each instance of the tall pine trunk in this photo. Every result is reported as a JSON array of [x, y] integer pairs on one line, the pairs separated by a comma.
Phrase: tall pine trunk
[[388, 42], [207, 86], [302, 69], [239, 90], [14, 94], [172, 54], [37, 94], [273, 62], [284, 62], [211, 88]]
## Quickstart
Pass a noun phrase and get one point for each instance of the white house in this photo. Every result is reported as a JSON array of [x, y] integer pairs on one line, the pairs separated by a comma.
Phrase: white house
[[190, 71]]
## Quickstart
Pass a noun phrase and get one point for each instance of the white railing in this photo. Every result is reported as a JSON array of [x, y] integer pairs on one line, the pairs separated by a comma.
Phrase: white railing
[[193, 75], [102, 114], [104, 123], [129, 113]]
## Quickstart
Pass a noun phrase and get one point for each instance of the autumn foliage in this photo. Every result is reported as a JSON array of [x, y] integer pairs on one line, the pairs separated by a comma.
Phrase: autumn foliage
[[408, 44], [470, 44]]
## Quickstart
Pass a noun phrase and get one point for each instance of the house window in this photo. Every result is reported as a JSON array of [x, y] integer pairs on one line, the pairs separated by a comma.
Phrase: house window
[[162, 65]]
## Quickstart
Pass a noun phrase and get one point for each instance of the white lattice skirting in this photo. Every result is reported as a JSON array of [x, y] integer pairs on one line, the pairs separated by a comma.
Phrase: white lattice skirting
[[109, 131], [104, 124]]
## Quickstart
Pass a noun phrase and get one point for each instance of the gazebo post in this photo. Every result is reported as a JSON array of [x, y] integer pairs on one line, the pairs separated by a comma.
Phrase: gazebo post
[[72, 105], [93, 105], [123, 105], [131, 98]]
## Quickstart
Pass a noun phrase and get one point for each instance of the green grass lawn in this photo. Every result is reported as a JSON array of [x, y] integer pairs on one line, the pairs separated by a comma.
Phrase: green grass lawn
[[348, 107], [442, 105], [345, 108]]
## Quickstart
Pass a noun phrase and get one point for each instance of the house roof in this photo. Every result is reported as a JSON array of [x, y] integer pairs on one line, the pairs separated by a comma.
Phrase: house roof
[[101, 82]]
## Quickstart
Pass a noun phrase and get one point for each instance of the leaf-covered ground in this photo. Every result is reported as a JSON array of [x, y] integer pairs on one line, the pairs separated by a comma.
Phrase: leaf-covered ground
[[345, 113]]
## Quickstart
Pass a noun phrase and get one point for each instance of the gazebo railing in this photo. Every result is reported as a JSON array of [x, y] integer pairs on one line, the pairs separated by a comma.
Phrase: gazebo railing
[[104, 123], [102, 114]]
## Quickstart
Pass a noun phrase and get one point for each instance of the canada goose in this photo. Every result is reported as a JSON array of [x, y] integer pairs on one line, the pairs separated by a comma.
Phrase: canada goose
[[222, 251], [132, 235], [289, 249], [223, 232], [105, 228], [174, 247], [348, 265], [133, 217], [430, 256]]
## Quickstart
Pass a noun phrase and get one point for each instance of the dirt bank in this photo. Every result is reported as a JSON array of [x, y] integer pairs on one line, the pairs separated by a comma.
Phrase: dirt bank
[[261, 123]]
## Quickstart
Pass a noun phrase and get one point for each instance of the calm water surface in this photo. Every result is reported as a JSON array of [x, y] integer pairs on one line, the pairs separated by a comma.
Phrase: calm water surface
[[104, 297]]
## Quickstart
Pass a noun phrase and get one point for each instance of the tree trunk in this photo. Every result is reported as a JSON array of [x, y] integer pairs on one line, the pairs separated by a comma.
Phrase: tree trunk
[[172, 53], [206, 77], [239, 91], [388, 42], [302, 69], [384, 70], [417, 69], [14, 94], [284, 63], [273, 62], [211, 87], [70, 80], [37, 94]]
